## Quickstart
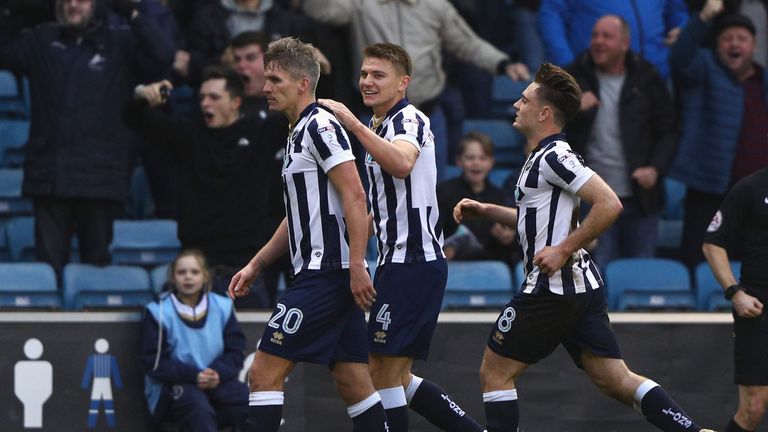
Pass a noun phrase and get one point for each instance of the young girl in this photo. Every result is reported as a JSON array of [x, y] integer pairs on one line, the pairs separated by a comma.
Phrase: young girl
[[192, 351], [476, 239]]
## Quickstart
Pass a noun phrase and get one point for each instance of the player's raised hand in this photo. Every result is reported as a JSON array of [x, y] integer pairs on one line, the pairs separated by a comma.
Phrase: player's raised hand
[[469, 209], [361, 286]]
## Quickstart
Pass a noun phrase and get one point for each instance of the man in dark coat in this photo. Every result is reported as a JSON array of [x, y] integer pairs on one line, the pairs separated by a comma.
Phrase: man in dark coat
[[79, 154], [626, 130]]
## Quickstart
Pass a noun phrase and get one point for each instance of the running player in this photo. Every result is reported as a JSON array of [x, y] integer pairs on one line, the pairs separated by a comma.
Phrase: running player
[[562, 299]]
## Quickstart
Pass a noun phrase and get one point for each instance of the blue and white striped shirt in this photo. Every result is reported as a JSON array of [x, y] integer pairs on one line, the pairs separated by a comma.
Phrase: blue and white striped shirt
[[316, 227], [405, 211], [547, 211]]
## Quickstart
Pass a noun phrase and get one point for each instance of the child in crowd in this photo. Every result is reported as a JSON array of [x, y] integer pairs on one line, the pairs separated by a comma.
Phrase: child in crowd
[[475, 239], [192, 350]]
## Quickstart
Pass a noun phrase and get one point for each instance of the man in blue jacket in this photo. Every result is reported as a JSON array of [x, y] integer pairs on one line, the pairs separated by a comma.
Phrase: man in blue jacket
[[79, 155], [724, 113], [565, 26]]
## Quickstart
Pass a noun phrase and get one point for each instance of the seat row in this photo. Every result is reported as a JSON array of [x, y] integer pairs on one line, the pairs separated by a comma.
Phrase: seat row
[[135, 242]]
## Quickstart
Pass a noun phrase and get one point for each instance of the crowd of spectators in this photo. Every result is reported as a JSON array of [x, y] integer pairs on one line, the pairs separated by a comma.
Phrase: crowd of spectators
[[671, 89]]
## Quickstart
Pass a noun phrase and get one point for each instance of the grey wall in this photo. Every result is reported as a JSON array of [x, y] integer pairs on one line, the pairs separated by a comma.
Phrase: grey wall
[[692, 361]]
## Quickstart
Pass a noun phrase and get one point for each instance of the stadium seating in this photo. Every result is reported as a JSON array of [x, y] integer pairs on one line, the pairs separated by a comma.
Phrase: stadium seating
[[11, 201], [519, 276], [649, 284], [675, 195], [508, 143], [477, 284], [89, 286], [20, 232], [498, 176], [139, 204], [28, 285], [5, 252], [709, 293], [146, 242], [159, 276], [505, 93], [13, 137], [12, 101]]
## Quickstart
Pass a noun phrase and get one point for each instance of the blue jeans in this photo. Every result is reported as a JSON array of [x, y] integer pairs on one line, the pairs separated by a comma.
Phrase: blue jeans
[[633, 235]]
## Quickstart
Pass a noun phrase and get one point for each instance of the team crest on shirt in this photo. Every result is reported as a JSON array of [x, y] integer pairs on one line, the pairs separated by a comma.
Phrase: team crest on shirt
[[717, 220]]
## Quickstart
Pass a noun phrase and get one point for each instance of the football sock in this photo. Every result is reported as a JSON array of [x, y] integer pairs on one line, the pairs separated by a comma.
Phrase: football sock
[[501, 410], [434, 404], [265, 410], [393, 400], [660, 410], [368, 415]]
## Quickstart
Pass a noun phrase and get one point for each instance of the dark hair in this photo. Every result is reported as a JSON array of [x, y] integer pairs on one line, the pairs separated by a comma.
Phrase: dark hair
[[391, 52], [296, 58], [559, 88], [486, 143], [243, 39], [723, 22], [233, 83]]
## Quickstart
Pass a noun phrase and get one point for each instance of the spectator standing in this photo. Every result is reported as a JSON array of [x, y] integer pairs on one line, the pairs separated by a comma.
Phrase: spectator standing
[[566, 25], [724, 96], [480, 239], [740, 230], [423, 28], [626, 130], [225, 160], [79, 153], [192, 351]]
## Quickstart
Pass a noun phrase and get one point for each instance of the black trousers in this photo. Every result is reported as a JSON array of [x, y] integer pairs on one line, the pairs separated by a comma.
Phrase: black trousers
[[58, 219], [700, 207]]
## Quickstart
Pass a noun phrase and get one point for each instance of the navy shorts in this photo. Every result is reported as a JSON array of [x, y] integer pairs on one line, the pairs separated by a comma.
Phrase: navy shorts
[[317, 321], [750, 346], [408, 301], [531, 327]]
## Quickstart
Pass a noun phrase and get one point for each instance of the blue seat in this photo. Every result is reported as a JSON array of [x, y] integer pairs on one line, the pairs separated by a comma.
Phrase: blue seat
[[505, 93], [28, 285], [89, 286], [11, 201], [709, 293], [670, 234], [451, 171], [519, 276], [649, 284], [159, 276], [20, 232], [14, 135], [498, 176], [508, 143], [477, 284], [12, 103], [146, 242]]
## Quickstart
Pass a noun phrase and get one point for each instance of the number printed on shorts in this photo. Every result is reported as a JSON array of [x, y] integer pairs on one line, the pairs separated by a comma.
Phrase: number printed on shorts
[[383, 317], [291, 321], [506, 318]]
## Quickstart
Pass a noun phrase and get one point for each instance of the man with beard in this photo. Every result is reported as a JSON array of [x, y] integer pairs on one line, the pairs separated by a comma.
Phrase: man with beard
[[79, 154]]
